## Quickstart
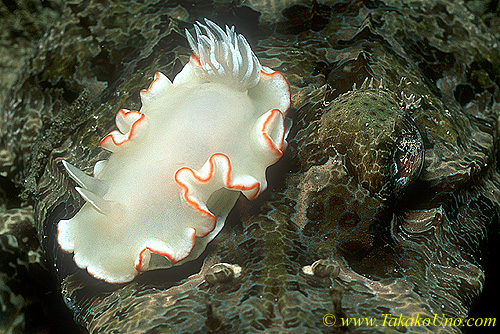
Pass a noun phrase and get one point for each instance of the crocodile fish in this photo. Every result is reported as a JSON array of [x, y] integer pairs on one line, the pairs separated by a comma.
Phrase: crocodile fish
[[381, 215]]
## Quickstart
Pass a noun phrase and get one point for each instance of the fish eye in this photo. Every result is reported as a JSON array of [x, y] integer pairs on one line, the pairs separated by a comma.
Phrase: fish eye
[[408, 157]]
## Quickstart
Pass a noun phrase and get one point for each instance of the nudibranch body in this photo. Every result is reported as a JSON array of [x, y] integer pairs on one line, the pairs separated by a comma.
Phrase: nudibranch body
[[178, 165]]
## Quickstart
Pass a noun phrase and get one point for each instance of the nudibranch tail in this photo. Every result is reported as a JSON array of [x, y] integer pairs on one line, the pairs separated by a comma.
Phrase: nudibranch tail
[[179, 164]]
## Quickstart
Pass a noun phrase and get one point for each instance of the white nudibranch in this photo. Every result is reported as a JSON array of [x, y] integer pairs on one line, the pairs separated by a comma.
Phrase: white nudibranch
[[178, 165]]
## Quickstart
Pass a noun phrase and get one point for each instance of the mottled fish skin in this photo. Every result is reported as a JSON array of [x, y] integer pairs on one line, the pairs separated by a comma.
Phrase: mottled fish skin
[[382, 204]]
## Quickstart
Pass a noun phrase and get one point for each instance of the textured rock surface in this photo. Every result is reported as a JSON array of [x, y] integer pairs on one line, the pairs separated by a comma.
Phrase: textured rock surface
[[391, 238]]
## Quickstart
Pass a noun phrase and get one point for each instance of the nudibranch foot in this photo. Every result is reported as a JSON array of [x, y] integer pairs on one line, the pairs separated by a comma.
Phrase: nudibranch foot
[[179, 164]]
